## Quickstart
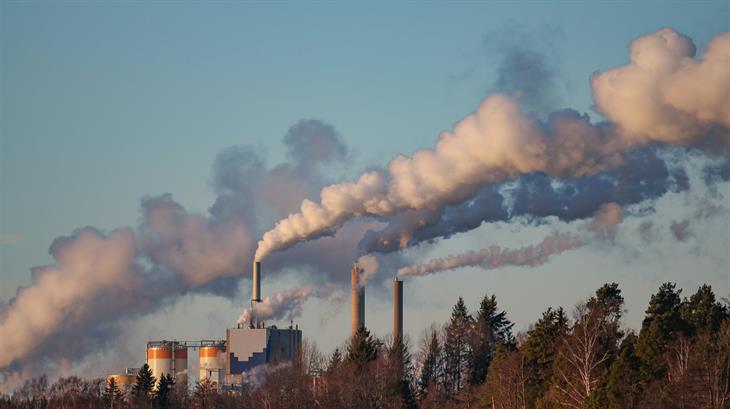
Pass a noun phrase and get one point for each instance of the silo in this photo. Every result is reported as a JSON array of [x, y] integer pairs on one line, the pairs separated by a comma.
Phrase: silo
[[211, 363], [159, 358], [358, 300], [181, 365]]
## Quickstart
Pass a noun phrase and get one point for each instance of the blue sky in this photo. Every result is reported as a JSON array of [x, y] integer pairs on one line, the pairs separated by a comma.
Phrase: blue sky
[[104, 103]]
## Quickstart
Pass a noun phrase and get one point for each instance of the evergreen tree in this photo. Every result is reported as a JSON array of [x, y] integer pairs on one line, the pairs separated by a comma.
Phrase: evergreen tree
[[145, 384], [623, 386], [431, 368], [541, 348], [112, 394], [401, 383], [164, 389], [491, 328], [662, 324], [702, 313], [362, 349], [456, 349], [335, 361]]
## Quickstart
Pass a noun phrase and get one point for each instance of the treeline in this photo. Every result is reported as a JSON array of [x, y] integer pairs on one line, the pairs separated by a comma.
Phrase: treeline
[[680, 358]]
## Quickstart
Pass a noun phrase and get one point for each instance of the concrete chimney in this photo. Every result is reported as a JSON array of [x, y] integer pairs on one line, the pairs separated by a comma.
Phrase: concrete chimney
[[256, 282], [397, 309], [358, 300]]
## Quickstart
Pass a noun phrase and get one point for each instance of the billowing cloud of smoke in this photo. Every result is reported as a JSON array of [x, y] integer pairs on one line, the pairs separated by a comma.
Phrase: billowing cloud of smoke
[[368, 265], [674, 98], [90, 269], [77, 305], [643, 176], [603, 225], [286, 304]]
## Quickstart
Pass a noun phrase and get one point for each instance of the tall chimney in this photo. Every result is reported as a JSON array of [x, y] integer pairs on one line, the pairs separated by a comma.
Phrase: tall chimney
[[358, 300], [256, 282], [397, 309]]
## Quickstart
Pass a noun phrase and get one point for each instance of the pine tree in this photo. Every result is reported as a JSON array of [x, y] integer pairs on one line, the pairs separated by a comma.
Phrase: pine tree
[[112, 394], [335, 361], [702, 313], [401, 385], [456, 349], [623, 386], [431, 369], [662, 324], [491, 328], [144, 386], [164, 389], [362, 349], [541, 349]]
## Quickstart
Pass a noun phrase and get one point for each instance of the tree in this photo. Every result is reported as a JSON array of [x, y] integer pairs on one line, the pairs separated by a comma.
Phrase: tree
[[702, 313], [335, 361], [144, 385], [431, 367], [541, 348], [491, 328], [662, 324], [112, 394], [506, 386], [363, 348], [456, 349], [164, 390], [400, 385], [623, 385]]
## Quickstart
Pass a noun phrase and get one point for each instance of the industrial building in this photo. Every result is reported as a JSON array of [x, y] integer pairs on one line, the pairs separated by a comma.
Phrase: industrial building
[[228, 362]]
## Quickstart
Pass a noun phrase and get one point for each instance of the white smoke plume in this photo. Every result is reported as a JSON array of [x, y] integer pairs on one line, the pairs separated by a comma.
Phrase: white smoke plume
[[285, 304], [495, 256], [89, 269], [663, 95], [98, 282], [603, 225]]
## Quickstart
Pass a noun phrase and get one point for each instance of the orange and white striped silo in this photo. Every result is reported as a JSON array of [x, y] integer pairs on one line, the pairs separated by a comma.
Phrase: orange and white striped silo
[[159, 358], [211, 363], [181, 365]]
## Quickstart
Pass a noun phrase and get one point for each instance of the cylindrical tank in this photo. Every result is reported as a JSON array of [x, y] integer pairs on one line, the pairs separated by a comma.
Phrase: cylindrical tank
[[358, 300], [256, 282], [211, 363], [397, 309], [125, 382], [181, 365], [159, 358], [161, 361]]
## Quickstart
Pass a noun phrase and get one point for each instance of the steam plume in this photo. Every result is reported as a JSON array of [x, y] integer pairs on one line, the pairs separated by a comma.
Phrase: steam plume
[[604, 225], [286, 304], [663, 95]]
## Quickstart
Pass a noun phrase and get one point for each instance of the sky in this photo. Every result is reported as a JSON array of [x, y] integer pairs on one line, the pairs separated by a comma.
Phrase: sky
[[102, 104]]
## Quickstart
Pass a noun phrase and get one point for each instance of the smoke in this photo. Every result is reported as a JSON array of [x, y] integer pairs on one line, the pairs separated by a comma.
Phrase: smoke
[[286, 304], [90, 269], [603, 226], [680, 230], [495, 257], [606, 221], [643, 176], [664, 95], [528, 66], [77, 306], [368, 265]]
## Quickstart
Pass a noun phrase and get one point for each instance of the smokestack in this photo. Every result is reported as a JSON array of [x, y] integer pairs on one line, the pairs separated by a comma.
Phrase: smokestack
[[397, 309], [256, 282], [358, 300]]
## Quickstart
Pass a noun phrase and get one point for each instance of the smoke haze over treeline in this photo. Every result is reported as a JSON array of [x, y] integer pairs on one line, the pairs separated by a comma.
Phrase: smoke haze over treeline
[[500, 163]]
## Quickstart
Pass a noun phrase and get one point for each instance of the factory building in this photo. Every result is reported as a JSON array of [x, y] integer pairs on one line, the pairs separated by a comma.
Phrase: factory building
[[125, 381], [248, 348]]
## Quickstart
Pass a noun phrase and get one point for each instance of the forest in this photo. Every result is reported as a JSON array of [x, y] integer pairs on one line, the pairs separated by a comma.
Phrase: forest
[[581, 358]]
